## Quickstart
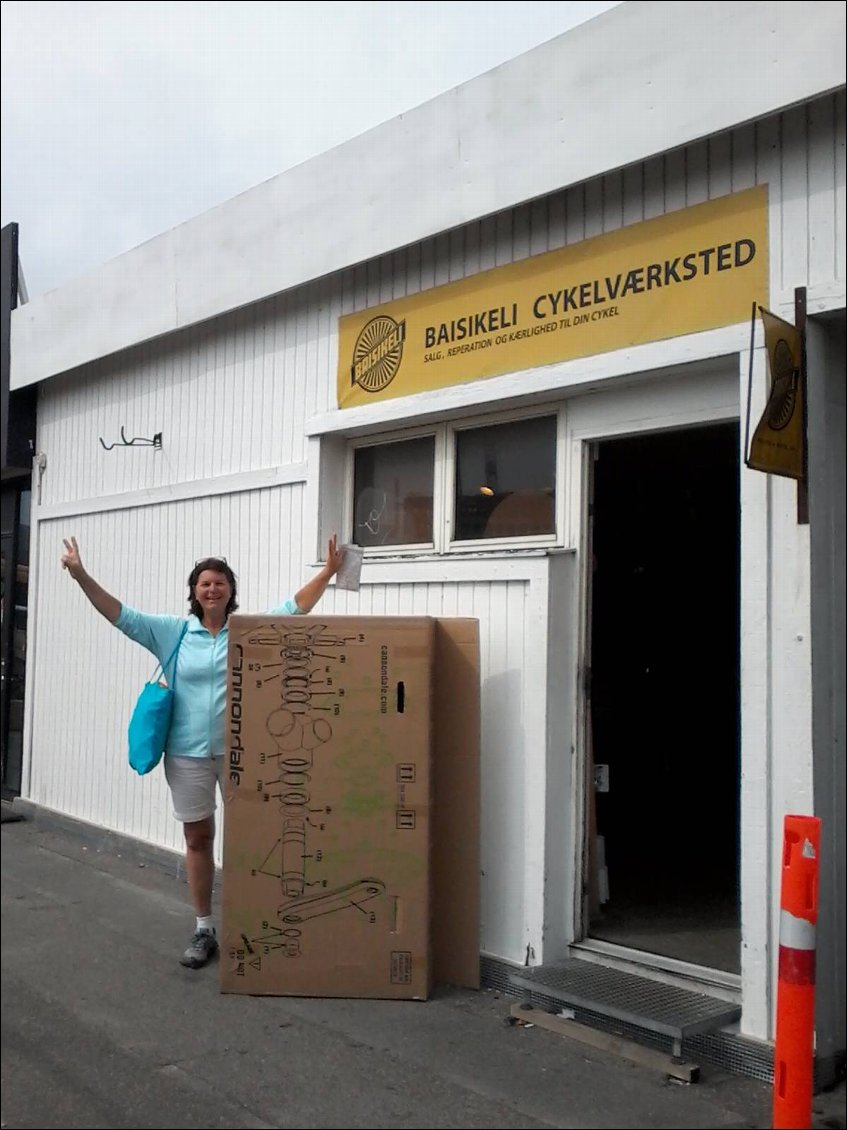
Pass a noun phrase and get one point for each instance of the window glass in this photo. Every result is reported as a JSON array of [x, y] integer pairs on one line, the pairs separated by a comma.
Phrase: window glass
[[392, 491], [506, 480]]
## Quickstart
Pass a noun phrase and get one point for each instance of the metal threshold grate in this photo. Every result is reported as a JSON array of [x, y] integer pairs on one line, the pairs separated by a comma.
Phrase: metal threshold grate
[[638, 1001]]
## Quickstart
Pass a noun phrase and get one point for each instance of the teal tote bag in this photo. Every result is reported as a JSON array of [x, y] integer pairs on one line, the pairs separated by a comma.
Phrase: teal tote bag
[[151, 719]]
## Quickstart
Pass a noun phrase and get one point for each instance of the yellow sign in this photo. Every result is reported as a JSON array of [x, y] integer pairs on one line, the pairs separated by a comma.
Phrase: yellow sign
[[778, 445], [681, 273]]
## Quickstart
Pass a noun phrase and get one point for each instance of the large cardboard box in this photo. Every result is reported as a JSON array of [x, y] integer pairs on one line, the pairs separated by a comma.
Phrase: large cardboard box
[[328, 832]]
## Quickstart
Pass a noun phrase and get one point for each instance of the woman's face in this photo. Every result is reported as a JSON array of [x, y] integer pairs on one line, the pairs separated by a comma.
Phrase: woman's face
[[212, 591]]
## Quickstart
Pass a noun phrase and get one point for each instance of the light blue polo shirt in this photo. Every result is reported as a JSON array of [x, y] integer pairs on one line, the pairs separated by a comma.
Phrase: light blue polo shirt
[[197, 726]]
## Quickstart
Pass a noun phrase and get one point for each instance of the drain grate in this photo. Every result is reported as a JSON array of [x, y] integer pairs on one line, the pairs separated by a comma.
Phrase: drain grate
[[638, 1001]]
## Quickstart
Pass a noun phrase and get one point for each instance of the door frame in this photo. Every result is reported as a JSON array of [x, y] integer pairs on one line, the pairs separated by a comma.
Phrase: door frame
[[695, 395]]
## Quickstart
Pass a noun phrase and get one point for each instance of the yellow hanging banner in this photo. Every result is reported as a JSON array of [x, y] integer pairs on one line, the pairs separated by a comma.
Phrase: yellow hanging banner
[[778, 444], [681, 273]]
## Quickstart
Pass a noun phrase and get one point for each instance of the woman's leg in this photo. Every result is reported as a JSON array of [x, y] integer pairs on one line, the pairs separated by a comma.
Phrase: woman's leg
[[194, 783], [200, 863]]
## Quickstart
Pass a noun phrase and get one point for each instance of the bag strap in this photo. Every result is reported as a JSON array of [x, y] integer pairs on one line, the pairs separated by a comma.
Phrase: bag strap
[[173, 656]]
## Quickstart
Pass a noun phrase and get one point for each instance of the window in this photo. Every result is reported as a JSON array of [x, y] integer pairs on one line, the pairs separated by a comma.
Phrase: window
[[393, 493], [457, 485], [506, 480]]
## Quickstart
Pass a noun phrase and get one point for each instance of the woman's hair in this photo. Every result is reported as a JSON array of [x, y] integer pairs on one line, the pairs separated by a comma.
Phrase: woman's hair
[[215, 565]]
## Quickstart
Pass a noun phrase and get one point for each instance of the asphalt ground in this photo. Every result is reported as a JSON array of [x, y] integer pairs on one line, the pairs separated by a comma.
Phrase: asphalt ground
[[102, 1027]]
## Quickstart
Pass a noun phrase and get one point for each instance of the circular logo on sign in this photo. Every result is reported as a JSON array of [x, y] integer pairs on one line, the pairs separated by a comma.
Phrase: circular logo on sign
[[784, 391], [377, 353]]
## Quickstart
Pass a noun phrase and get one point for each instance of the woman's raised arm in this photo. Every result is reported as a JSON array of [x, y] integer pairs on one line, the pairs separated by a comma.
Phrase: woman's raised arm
[[313, 590], [106, 604]]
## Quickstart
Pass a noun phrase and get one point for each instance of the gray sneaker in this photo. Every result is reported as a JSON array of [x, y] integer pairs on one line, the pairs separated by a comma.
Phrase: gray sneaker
[[204, 945]]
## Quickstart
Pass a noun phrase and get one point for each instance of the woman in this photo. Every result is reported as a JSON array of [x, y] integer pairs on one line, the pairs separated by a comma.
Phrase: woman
[[194, 758]]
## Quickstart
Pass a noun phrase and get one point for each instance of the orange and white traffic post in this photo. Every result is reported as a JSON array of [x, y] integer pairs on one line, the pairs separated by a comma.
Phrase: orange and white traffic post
[[795, 1002]]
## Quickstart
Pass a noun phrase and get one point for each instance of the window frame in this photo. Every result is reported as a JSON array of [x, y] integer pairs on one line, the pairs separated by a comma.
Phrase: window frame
[[382, 439], [445, 435], [453, 428]]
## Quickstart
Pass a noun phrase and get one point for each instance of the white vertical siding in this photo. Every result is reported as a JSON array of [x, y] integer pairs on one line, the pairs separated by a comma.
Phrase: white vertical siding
[[227, 399], [87, 675], [509, 650], [234, 395], [758, 851]]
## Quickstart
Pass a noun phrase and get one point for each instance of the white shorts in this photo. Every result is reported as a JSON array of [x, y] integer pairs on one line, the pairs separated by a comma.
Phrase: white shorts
[[194, 782]]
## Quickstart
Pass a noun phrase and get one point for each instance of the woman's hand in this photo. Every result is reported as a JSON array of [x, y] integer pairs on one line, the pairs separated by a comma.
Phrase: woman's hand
[[313, 590], [71, 560], [334, 557], [106, 604]]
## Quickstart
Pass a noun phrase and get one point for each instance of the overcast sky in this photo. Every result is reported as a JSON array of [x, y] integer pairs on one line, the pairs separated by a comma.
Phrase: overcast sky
[[122, 120]]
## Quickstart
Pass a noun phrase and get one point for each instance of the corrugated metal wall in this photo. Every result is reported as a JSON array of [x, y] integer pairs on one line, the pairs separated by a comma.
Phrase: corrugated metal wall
[[231, 399]]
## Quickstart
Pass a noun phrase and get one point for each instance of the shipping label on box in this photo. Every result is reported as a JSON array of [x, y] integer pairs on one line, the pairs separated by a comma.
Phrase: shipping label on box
[[326, 888]]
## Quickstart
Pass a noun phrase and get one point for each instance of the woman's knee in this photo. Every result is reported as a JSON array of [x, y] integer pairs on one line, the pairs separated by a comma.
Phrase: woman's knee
[[199, 834]]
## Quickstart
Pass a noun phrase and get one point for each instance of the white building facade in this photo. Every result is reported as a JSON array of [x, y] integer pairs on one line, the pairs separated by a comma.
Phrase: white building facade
[[661, 627]]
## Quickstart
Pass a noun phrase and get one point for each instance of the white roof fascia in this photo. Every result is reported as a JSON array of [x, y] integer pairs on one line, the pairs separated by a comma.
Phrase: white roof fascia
[[641, 79]]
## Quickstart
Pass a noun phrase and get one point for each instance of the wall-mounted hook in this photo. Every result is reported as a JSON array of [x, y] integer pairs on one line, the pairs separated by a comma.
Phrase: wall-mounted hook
[[136, 441]]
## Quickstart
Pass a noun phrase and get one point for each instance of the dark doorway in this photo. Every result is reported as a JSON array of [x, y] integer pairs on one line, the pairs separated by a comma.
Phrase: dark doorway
[[14, 588], [664, 699]]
